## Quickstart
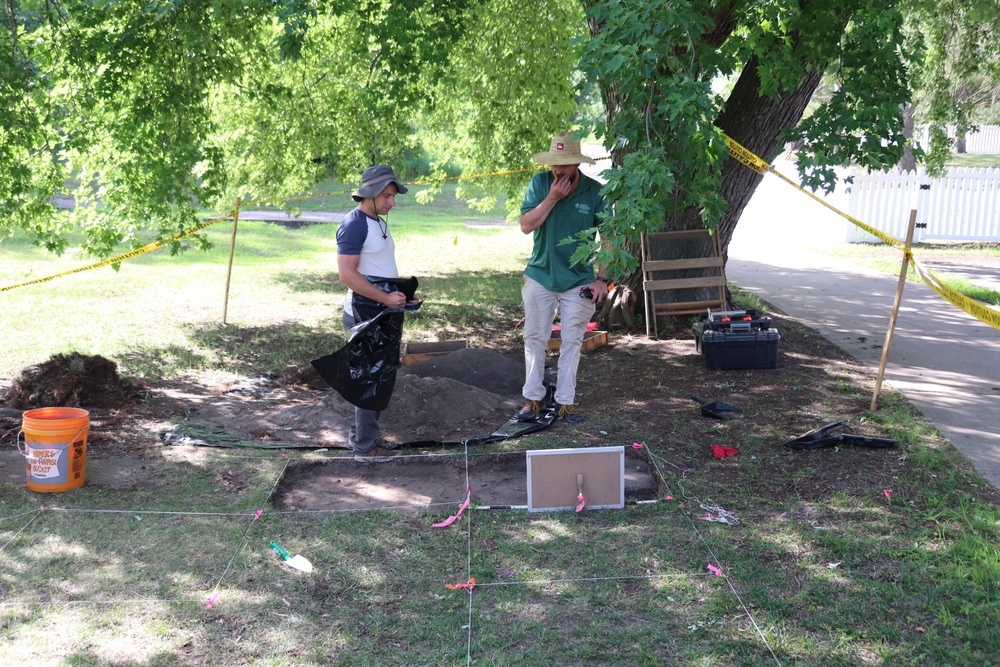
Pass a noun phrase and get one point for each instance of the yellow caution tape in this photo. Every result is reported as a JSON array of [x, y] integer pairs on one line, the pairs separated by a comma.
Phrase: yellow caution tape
[[118, 258], [747, 157], [976, 309], [159, 244], [265, 202], [736, 150], [882, 236]]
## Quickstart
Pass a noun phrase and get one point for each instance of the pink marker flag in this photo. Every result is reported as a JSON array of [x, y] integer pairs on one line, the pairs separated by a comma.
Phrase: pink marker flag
[[714, 570], [211, 600], [637, 445], [467, 585], [580, 505], [452, 519], [887, 493]]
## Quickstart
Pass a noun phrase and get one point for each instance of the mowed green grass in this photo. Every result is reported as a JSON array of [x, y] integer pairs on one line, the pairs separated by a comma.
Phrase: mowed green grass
[[178, 570], [160, 315]]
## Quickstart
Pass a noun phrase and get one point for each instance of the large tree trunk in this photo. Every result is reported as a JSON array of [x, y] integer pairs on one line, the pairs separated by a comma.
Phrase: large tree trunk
[[960, 146], [755, 122]]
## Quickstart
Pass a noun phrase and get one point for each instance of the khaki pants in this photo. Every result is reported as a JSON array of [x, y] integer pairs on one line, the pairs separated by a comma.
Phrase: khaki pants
[[540, 306]]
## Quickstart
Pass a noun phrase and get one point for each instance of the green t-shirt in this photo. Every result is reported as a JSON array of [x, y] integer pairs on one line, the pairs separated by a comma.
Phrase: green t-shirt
[[550, 262]]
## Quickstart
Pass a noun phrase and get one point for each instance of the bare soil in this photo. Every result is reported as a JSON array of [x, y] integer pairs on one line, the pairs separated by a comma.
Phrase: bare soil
[[634, 390]]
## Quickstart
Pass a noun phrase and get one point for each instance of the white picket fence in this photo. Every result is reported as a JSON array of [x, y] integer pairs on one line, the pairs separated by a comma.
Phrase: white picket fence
[[964, 205], [984, 140]]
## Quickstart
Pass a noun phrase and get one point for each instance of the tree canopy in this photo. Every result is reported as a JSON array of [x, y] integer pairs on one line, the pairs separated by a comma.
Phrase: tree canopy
[[956, 75], [149, 108]]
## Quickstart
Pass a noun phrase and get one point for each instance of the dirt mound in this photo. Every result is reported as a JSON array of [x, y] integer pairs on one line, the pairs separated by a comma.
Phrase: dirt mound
[[73, 380], [421, 409], [441, 407], [485, 369]]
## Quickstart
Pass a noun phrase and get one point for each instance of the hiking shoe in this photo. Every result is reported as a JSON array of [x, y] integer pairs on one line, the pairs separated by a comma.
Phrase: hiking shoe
[[570, 414], [377, 454], [530, 411]]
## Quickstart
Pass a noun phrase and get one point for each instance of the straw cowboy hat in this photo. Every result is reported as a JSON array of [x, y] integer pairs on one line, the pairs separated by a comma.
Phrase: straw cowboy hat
[[564, 150], [373, 182]]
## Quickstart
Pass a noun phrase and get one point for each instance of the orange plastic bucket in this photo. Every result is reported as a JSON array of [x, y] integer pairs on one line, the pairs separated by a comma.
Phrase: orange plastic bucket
[[55, 448]]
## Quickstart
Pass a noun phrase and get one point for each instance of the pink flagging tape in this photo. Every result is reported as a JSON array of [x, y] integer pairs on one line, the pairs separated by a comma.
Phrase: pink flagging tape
[[637, 445], [211, 601], [714, 570], [468, 585], [461, 508], [887, 493], [580, 505], [257, 516]]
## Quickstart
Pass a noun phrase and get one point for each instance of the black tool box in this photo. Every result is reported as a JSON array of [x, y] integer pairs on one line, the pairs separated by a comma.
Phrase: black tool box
[[733, 340]]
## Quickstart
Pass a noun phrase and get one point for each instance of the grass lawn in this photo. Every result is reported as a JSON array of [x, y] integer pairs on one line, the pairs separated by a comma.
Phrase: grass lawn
[[824, 568]]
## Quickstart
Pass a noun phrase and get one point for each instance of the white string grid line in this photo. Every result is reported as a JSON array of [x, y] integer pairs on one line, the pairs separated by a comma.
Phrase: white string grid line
[[468, 570], [701, 537], [246, 535], [654, 459], [37, 513]]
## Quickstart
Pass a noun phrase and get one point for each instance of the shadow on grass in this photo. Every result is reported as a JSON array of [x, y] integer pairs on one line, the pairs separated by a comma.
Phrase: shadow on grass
[[245, 350], [914, 581]]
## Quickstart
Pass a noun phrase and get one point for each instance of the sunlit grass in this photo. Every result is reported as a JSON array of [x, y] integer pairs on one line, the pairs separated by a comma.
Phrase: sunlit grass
[[162, 314]]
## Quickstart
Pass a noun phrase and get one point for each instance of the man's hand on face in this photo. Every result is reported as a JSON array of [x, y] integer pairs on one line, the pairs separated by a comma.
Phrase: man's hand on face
[[564, 181], [562, 186]]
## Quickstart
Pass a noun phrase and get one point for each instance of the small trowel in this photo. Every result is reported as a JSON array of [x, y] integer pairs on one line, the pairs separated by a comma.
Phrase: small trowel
[[297, 562]]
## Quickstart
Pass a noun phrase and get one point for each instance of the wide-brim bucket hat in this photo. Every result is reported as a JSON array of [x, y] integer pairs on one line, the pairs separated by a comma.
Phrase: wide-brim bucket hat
[[373, 182], [565, 149]]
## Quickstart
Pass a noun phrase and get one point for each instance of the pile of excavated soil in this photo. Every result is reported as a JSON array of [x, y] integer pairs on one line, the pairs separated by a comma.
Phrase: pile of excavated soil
[[73, 380]]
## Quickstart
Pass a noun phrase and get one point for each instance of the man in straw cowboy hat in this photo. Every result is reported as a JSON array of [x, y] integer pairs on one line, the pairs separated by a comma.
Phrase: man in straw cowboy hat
[[366, 254], [558, 204]]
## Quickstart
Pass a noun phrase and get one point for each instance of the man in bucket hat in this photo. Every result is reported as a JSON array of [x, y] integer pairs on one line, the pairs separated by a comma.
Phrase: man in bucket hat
[[558, 205], [366, 254]]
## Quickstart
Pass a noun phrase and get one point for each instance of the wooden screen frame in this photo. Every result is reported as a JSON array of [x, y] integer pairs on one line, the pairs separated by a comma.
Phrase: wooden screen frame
[[552, 478]]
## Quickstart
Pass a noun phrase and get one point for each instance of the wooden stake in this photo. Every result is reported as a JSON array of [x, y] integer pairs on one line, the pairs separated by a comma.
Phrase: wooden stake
[[232, 249], [895, 309]]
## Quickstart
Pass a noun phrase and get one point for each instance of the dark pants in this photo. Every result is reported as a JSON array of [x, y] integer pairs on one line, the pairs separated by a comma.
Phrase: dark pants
[[365, 430]]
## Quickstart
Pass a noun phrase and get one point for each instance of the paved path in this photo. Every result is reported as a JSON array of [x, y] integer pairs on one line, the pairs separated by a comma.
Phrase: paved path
[[284, 216], [946, 362]]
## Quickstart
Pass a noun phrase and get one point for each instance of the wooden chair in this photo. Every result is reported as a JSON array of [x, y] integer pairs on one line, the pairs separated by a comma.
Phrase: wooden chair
[[707, 289]]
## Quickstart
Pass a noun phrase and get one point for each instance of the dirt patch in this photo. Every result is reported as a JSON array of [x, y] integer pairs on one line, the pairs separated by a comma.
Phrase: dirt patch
[[437, 399], [338, 484], [633, 390]]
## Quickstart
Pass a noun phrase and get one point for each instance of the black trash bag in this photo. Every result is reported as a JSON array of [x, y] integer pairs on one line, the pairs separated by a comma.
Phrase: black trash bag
[[366, 309], [364, 370]]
